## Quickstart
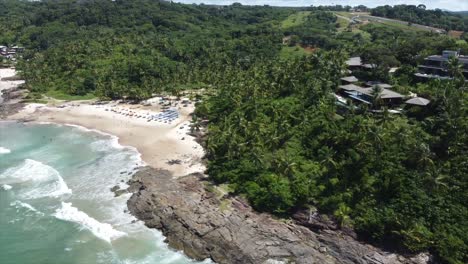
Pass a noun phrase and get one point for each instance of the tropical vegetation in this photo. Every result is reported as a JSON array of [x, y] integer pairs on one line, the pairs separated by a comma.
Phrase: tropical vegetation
[[419, 15], [275, 134]]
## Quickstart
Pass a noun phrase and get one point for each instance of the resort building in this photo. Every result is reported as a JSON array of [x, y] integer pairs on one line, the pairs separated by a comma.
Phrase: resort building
[[418, 101], [435, 66], [10, 53], [349, 80], [365, 95], [355, 63]]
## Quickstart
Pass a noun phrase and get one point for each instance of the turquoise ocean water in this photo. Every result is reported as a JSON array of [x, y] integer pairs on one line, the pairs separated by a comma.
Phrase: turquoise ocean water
[[55, 200]]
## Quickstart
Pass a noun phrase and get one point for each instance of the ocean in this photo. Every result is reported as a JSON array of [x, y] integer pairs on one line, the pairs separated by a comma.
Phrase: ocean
[[56, 205]]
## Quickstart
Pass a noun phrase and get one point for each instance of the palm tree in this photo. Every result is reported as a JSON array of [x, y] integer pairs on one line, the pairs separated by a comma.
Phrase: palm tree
[[376, 96], [435, 179], [196, 124], [342, 215], [455, 68]]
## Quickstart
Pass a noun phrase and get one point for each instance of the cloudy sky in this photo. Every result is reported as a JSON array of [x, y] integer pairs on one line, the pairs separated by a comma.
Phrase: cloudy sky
[[454, 5]]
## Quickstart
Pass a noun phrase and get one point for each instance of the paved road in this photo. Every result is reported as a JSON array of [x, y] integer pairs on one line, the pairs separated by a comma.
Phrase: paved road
[[374, 18], [343, 17]]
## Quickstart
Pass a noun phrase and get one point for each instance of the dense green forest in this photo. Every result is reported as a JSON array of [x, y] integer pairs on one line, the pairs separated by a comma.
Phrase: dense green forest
[[133, 48], [419, 15], [275, 134], [275, 137]]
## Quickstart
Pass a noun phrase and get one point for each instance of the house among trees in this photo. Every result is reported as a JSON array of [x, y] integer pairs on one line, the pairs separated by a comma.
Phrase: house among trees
[[349, 80], [355, 63], [17, 49], [374, 94], [439, 67], [10, 53], [418, 101], [367, 95], [380, 84]]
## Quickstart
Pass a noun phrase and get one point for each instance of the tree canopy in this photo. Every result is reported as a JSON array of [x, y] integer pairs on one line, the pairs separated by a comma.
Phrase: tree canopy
[[419, 15], [275, 133]]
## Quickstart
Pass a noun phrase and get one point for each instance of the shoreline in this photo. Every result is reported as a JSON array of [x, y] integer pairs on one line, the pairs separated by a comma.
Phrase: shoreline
[[207, 225], [161, 146], [173, 195]]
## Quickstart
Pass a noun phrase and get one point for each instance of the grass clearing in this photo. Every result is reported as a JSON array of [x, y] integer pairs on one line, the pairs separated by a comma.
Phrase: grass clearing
[[382, 22], [343, 23], [36, 101], [345, 14], [295, 19], [400, 26], [293, 52]]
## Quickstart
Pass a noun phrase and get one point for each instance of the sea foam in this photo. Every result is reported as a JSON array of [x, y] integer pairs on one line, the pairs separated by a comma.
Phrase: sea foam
[[4, 150], [19, 204], [112, 141], [41, 180], [6, 187], [103, 231]]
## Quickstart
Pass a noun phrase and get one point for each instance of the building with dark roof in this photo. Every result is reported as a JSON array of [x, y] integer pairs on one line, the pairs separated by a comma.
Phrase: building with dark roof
[[436, 66], [419, 101], [365, 94], [355, 63], [349, 79]]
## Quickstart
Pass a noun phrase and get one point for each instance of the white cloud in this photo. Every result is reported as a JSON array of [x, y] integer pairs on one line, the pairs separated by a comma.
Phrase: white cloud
[[454, 5]]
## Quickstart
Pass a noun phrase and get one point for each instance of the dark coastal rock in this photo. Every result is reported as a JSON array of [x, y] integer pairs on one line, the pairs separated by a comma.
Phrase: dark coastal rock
[[11, 102], [174, 162], [205, 224], [7, 109], [120, 192], [117, 191]]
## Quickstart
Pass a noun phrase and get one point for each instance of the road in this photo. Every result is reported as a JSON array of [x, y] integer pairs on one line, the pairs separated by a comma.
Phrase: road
[[365, 16], [377, 19], [343, 17]]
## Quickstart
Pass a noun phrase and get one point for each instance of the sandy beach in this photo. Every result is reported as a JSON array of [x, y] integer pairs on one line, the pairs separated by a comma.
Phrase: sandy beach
[[158, 142]]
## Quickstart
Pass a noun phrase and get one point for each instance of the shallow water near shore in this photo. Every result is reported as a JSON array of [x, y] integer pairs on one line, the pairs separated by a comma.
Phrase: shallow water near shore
[[55, 200]]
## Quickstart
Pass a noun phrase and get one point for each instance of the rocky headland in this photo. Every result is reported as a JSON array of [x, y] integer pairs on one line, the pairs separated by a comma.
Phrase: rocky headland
[[206, 224]]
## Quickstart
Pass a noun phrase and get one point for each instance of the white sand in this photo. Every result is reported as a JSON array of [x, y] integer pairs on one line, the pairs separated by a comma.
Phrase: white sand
[[157, 142]]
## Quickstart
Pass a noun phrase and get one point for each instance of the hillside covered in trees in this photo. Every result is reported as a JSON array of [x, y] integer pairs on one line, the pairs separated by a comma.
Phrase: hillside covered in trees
[[133, 48], [419, 15], [275, 134]]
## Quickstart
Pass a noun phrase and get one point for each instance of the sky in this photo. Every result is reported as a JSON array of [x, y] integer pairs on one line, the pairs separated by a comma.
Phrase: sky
[[453, 5]]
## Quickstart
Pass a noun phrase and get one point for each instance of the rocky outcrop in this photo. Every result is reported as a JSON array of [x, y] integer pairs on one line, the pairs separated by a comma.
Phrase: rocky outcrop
[[11, 102], [9, 109], [204, 224]]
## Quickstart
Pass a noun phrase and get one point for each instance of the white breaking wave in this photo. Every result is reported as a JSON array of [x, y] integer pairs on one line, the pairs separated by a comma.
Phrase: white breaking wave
[[4, 150], [103, 231], [112, 142], [40, 180], [19, 204], [6, 187]]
